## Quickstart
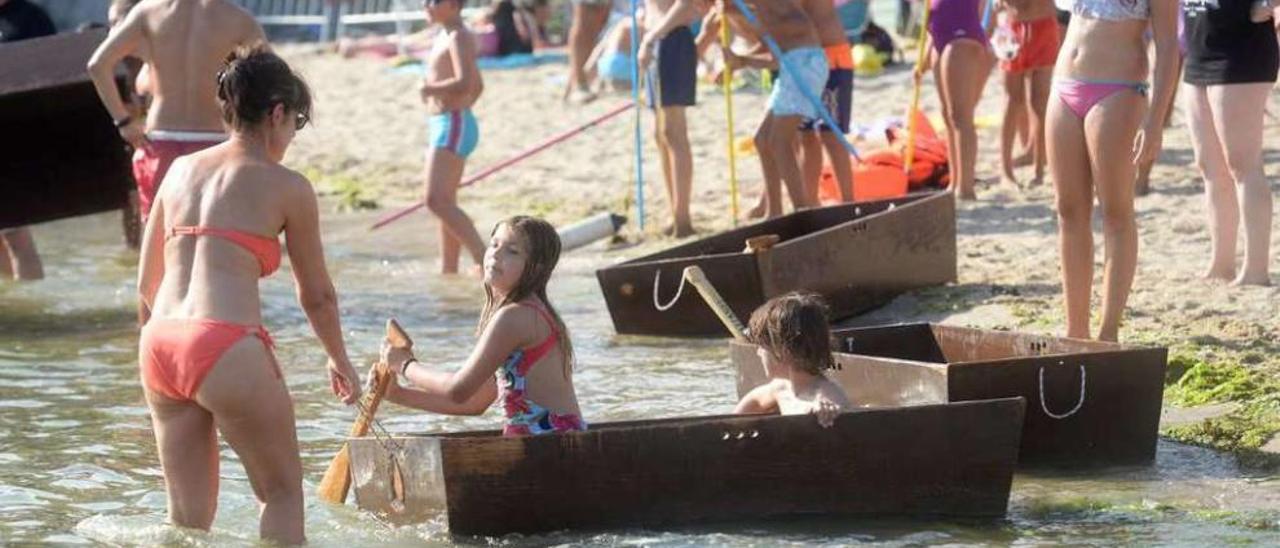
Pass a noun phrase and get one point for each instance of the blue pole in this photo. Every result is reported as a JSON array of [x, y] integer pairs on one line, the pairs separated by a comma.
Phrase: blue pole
[[789, 72], [635, 96], [986, 16]]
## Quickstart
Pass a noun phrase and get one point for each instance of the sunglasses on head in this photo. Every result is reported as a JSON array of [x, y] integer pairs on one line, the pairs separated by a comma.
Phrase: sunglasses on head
[[300, 120]]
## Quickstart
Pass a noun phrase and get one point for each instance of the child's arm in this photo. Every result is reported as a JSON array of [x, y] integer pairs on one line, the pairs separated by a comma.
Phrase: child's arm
[[462, 54], [471, 389], [710, 33], [761, 399]]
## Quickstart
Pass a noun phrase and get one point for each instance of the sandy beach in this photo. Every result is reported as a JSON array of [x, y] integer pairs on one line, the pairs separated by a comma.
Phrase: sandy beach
[[369, 135]]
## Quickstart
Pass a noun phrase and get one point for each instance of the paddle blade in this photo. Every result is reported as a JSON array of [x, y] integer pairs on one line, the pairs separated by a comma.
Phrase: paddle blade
[[337, 479]]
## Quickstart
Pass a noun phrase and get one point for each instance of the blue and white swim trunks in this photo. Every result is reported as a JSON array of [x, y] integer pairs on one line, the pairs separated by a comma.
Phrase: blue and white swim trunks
[[791, 92]]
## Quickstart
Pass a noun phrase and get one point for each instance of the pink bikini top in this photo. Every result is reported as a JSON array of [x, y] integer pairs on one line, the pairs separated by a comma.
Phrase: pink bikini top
[[265, 249]]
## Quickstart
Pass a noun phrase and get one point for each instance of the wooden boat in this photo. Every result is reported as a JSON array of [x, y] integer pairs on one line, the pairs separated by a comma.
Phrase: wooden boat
[[1090, 402], [65, 157], [858, 256], [949, 460]]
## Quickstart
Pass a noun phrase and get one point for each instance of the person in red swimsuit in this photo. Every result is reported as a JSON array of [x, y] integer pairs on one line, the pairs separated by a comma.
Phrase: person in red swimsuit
[[523, 355], [1027, 46], [205, 358]]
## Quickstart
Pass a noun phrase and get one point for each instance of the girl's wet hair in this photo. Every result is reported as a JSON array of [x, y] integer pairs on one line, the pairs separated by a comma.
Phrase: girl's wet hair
[[542, 252], [794, 329], [253, 80]]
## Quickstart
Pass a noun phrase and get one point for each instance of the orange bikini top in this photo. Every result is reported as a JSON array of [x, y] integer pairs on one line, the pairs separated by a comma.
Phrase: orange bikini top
[[265, 249]]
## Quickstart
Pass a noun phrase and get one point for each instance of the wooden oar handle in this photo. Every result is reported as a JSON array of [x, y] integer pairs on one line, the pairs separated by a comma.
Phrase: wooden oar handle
[[382, 378], [698, 278]]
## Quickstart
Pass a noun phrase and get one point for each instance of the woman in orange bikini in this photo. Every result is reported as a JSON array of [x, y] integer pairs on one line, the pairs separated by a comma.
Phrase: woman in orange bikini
[[205, 358]]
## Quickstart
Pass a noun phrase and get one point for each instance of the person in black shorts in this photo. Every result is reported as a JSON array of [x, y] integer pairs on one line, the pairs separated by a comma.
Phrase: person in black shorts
[[1231, 65], [668, 54]]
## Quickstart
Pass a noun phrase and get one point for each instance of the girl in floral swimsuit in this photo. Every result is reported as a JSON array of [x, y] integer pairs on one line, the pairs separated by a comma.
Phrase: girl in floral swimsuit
[[523, 356]]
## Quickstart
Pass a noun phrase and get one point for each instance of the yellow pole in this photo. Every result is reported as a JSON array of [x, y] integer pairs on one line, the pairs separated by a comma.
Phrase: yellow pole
[[726, 78], [921, 51]]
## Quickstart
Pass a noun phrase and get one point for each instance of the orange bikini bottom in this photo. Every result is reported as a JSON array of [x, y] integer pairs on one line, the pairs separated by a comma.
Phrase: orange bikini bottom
[[177, 354]]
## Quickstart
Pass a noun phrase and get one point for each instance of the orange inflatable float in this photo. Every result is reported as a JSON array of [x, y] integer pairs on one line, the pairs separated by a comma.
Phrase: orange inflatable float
[[880, 174]]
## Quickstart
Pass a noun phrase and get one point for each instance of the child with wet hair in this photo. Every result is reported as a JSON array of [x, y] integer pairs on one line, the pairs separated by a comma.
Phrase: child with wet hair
[[794, 345], [523, 357]]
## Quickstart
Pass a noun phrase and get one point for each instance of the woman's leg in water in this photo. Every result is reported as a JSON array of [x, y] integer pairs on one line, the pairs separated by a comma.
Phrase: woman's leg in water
[[1110, 129], [1238, 116], [1073, 190], [252, 408], [444, 174], [188, 447], [963, 89], [1219, 190], [1014, 109]]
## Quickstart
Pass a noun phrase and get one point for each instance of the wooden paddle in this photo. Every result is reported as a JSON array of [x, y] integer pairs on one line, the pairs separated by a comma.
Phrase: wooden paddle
[[698, 278], [337, 479]]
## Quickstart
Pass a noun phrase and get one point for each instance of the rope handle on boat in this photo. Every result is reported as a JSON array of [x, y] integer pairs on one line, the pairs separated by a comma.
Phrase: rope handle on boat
[[1079, 404], [657, 275]]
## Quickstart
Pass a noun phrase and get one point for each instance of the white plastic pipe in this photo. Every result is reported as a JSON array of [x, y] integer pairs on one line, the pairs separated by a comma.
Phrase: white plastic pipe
[[590, 230]]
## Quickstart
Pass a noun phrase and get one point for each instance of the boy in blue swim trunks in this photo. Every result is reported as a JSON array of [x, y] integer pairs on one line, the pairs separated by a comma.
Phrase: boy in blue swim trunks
[[451, 87], [804, 73], [672, 83]]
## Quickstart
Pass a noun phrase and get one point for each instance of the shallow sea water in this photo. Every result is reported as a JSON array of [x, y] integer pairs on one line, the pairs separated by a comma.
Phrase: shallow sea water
[[78, 463]]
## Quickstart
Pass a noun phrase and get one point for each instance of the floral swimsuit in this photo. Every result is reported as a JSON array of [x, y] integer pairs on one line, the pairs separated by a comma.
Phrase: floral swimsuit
[[524, 417]]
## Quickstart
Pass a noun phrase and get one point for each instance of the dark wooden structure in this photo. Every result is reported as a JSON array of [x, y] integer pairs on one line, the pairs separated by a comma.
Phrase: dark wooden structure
[[62, 155], [934, 460], [1089, 403], [858, 256]]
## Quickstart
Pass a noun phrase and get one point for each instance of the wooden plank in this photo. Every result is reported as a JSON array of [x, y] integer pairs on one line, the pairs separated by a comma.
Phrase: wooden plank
[[70, 160], [954, 460]]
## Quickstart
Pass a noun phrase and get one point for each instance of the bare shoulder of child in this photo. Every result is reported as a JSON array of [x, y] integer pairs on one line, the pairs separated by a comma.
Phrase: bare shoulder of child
[[762, 399]]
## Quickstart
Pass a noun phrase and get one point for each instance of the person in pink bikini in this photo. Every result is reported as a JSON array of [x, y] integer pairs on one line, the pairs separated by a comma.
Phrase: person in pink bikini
[[183, 43], [206, 360], [1102, 124]]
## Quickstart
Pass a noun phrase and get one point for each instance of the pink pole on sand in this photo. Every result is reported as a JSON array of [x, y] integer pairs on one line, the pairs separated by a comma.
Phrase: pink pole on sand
[[388, 219]]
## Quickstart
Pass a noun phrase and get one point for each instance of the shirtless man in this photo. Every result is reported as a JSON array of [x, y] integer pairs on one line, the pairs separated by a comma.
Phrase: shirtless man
[[184, 43], [789, 106], [668, 40], [1033, 31], [837, 96], [452, 86]]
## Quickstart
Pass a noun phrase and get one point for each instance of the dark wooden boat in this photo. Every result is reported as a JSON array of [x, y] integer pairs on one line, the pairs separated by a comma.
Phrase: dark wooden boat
[[858, 256], [935, 460], [63, 157], [1089, 403]]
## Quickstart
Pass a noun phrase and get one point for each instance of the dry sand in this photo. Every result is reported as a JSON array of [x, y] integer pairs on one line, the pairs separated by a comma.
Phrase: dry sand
[[369, 134]]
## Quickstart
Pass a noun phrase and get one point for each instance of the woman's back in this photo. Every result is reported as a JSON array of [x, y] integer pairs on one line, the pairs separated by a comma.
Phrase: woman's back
[[222, 211]]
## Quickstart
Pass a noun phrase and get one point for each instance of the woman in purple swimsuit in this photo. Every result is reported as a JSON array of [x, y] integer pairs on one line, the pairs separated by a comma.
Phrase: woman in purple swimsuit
[[1099, 130], [961, 63]]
